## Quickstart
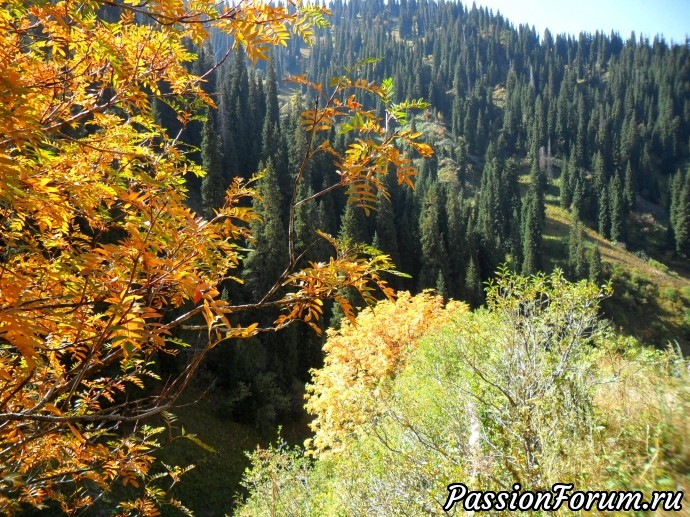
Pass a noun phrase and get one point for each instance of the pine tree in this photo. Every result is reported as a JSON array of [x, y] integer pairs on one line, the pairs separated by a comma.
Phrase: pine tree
[[213, 184]]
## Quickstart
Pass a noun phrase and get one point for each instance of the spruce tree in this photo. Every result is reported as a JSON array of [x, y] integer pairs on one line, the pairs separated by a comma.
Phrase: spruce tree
[[566, 184], [456, 245], [617, 209], [490, 216], [680, 213], [268, 258], [577, 264], [629, 189], [353, 225], [537, 188], [531, 236], [434, 257], [533, 217], [213, 184], [603, 217], [594, 265], [578, 203], [385, 228], [306, 224], [473, 283]]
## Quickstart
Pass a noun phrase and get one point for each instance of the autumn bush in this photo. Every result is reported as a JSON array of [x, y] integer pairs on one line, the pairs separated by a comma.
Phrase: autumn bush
[[361, 361], [534, 389]]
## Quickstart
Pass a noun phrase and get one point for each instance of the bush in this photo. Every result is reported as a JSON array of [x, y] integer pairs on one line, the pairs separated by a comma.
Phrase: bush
[[534, 389]]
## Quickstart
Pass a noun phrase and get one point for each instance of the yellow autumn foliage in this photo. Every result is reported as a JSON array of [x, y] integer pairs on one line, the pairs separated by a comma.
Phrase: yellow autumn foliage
[[363, 357]]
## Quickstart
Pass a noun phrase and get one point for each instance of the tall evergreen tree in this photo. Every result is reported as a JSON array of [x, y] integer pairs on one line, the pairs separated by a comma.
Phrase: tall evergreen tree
[[577, 264], [434, 256], [617, 209], [533, 217], [353, 225], [604, 215], [473, 283], [456, 245], [213, 184], [680, 213], [629, 189], [490, 215], [385, 228], [531, 235], [268, 258], [594, 266], [566, 183]]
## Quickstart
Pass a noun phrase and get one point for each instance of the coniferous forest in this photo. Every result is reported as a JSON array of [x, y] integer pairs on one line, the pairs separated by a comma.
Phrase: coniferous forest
[[541, 260]]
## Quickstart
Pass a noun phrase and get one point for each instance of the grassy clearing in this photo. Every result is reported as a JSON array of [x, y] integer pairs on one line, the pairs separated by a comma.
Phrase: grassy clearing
[[651, 301]]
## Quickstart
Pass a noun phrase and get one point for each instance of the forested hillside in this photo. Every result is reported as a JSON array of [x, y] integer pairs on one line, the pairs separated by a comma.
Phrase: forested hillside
[[194, 196], [551, 151], [598, 126]]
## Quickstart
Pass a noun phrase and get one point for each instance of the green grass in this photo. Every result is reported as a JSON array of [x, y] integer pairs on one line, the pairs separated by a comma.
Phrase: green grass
[[650, 301], [212, 487]]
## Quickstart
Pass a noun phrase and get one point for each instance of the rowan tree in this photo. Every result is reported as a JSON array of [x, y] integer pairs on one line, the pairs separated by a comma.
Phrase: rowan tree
[[101, 259]]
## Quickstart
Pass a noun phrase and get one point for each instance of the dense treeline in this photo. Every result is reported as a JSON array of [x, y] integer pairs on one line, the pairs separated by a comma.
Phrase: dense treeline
[[595, 123]]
